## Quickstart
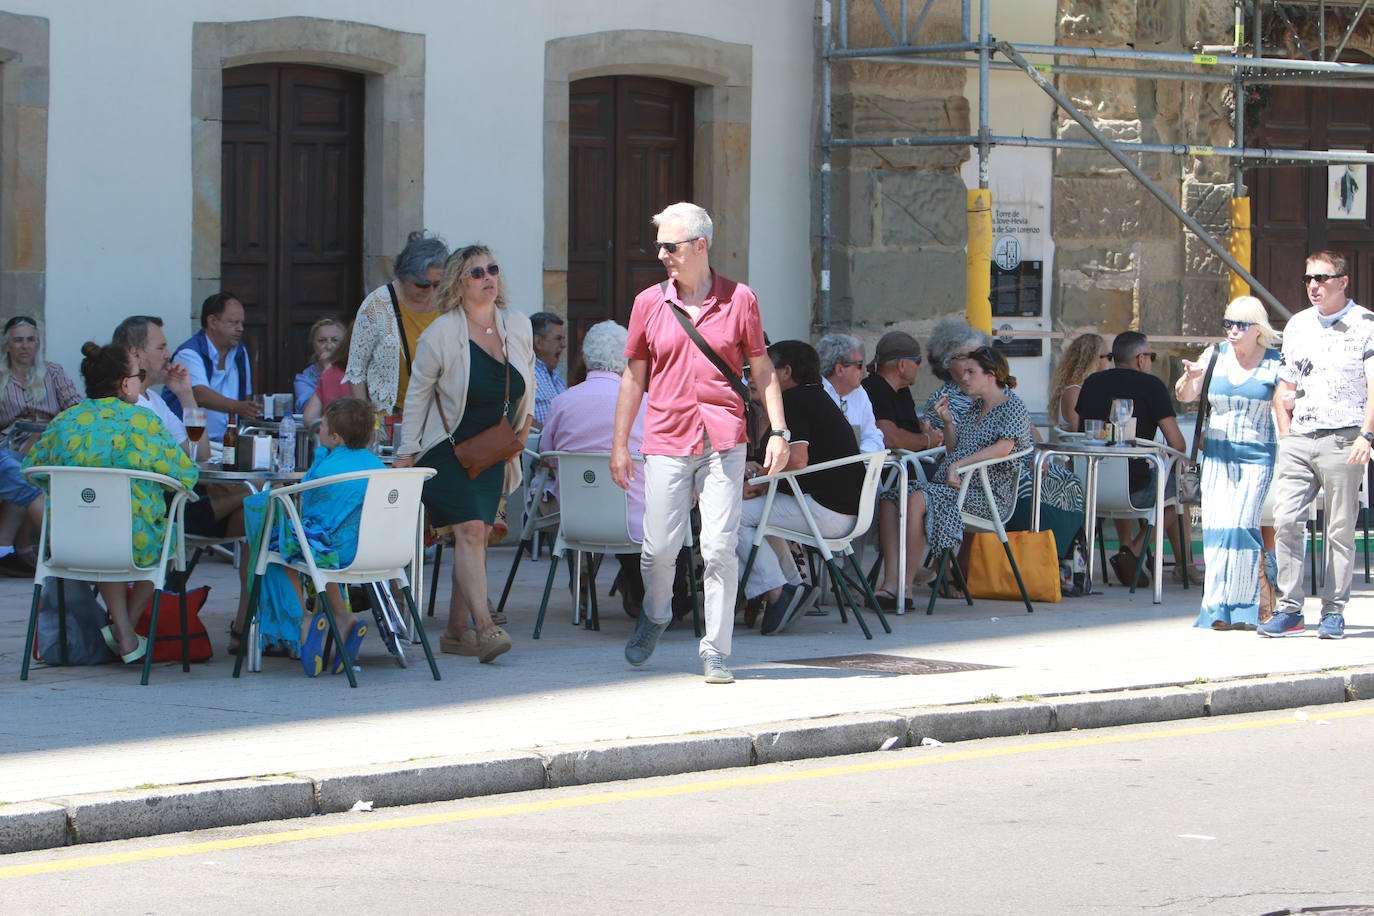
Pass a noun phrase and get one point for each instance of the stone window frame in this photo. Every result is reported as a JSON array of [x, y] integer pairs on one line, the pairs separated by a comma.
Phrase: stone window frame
[[722, 74], [24, 58], [393, 65]]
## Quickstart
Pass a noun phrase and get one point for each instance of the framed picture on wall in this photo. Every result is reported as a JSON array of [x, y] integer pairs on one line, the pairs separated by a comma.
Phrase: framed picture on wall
[[1346, 191]]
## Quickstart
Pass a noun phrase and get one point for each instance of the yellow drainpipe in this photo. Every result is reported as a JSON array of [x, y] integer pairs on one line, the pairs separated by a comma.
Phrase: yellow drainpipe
[[978, 303], [1239, 244]]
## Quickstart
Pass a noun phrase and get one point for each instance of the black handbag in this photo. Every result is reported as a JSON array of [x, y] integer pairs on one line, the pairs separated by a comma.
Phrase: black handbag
[[1189, 473]]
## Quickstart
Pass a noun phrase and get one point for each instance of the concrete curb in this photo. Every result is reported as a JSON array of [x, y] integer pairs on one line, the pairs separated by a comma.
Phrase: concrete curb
[[100, 817]]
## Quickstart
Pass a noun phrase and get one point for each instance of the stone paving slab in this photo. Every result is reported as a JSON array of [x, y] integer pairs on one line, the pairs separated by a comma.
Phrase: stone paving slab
[[567, 708]]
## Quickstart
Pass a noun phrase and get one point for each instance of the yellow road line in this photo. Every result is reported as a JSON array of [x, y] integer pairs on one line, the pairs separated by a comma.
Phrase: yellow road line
[[607, 798]]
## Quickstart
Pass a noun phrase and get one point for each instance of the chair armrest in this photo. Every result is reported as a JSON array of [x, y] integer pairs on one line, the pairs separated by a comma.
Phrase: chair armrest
[[810, 468], [910, 456]]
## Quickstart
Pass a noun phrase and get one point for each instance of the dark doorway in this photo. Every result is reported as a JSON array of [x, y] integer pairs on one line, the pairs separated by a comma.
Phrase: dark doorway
[[291, 242], [1290, 203], [630, 155]]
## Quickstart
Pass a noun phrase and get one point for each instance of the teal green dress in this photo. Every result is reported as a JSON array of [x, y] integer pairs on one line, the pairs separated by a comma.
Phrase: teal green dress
[[449, 495], [110, 433]]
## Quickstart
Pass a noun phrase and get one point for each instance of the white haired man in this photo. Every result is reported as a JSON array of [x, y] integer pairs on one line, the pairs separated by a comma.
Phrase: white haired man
[[842, 375], [581, 419], [694, 427]]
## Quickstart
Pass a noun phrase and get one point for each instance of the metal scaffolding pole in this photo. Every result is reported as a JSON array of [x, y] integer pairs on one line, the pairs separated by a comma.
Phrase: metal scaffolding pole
[[1236, 65], [1159, 193]]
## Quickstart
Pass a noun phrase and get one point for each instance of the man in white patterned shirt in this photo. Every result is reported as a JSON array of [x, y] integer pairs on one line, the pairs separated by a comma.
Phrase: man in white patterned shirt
[[842, 375], [1324, 403]]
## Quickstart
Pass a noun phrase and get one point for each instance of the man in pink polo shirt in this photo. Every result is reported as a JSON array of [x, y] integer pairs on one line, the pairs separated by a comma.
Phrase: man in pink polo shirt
[[694, 431]]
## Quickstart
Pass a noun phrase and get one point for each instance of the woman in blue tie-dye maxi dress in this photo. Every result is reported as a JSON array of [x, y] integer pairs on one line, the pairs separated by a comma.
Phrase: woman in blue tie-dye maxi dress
[[1238, 448]]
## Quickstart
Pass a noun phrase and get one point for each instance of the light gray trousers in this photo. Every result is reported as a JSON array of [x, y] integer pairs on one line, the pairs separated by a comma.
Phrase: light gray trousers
[[716, 479], [1306, 465]]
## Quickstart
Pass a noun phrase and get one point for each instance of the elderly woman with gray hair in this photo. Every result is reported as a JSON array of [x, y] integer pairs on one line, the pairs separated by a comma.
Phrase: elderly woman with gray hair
[[390, 321], [582, 419]]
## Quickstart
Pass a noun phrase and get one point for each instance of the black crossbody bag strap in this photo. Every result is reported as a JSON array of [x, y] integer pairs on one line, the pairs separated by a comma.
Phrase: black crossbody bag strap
[[731, 375], [400, 326], [1203, 408]]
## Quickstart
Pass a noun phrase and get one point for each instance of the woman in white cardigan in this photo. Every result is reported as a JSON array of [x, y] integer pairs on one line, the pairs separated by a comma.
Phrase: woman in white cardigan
[[457, 385]]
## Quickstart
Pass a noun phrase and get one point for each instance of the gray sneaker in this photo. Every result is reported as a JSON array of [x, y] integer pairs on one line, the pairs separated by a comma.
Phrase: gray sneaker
[[642, 644], [716, 672]]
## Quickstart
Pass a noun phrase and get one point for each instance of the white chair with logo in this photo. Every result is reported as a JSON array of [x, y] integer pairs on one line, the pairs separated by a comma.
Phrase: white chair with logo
[[594, 518], [386, 545], [86, 535]]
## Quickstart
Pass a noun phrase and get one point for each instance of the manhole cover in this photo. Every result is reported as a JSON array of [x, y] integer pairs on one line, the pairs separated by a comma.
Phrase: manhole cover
[[889, 664]]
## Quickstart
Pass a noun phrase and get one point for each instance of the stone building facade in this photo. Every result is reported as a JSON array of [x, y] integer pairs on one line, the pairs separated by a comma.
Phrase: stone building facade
[[1115, 257]]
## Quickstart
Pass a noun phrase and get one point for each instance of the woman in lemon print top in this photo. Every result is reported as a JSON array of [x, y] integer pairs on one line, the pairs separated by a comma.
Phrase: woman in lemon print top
[[107, 430]]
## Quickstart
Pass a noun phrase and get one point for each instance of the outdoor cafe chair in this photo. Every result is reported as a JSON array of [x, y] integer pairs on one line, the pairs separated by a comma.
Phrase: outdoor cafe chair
[[87, 535], [386, 546], [827, 547], [594, 518], [971, 520], [900, 460], [1114, 503]]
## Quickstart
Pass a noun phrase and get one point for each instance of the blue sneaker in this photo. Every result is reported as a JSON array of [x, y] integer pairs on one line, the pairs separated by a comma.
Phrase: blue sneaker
[[1331, 627], [644, 640], [1284, 624]]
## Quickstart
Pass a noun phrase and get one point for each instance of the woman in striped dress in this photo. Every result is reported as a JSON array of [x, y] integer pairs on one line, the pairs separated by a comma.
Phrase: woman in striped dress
[[1238, 449]]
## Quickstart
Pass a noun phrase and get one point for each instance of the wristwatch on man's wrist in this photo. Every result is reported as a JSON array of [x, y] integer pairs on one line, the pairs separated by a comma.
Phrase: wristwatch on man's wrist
[[786, 434], [1368, 437]]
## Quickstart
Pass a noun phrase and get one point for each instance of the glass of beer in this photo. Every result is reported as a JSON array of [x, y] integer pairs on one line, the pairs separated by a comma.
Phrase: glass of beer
[[194, 418]]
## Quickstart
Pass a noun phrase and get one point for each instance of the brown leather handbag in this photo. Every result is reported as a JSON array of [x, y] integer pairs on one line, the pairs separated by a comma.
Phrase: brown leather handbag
[[492, 445]]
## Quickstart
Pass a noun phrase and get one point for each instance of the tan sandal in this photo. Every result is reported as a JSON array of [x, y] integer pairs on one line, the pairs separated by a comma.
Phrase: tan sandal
[[465, 644], [493, 642]]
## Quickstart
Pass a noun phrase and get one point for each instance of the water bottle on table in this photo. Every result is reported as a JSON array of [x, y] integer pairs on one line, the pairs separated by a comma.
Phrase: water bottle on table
[[286, 444]]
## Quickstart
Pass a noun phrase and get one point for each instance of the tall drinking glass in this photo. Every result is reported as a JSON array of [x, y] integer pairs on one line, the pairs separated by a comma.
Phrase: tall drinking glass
[[1122, 410]]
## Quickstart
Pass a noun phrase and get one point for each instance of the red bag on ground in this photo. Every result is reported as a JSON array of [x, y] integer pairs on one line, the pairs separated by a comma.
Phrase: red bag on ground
[[167, 646]]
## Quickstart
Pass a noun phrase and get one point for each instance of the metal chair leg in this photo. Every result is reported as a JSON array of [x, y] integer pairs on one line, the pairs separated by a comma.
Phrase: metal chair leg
[[868, 593], [434, 581], [848, 597], [152, 637], [548, 586], [27, 653], [1015, 571], [420, 630]]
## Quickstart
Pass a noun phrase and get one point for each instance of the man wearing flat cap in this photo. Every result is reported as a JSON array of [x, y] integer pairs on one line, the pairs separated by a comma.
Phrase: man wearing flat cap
[[895, 364]]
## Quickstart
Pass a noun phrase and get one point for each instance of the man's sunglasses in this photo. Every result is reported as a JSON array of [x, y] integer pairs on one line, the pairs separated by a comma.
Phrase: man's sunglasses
[[477, 273], [1242, 326], [141, 375], [671, 247], [1320, 278]]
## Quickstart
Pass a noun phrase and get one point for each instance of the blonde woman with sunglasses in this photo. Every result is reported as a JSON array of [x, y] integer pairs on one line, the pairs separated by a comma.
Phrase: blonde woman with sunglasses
[[457, 389], [1240, 442]]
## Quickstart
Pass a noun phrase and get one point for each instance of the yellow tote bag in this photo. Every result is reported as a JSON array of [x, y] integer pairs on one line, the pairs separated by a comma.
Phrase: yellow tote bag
[[1037, 558]]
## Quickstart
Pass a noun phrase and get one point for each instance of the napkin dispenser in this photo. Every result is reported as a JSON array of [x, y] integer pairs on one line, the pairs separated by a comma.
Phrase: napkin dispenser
[[254, 452]]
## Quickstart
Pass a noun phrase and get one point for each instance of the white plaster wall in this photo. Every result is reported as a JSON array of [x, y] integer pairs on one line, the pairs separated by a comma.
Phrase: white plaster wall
[[119, 143], [1017, 107]]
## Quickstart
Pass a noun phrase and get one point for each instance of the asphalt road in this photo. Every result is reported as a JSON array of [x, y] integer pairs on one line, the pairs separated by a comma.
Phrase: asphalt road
[[1238, 815]]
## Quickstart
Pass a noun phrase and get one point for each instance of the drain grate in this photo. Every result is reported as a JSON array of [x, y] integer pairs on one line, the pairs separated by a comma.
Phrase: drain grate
[[889, 664]]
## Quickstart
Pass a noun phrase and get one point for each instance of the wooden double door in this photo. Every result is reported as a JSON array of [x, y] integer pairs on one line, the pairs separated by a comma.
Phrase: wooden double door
[[291, 233], [630, 155], [1293, 207]]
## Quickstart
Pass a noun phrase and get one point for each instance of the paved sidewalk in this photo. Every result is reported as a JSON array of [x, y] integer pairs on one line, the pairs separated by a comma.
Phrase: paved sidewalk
[[71, 731]]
